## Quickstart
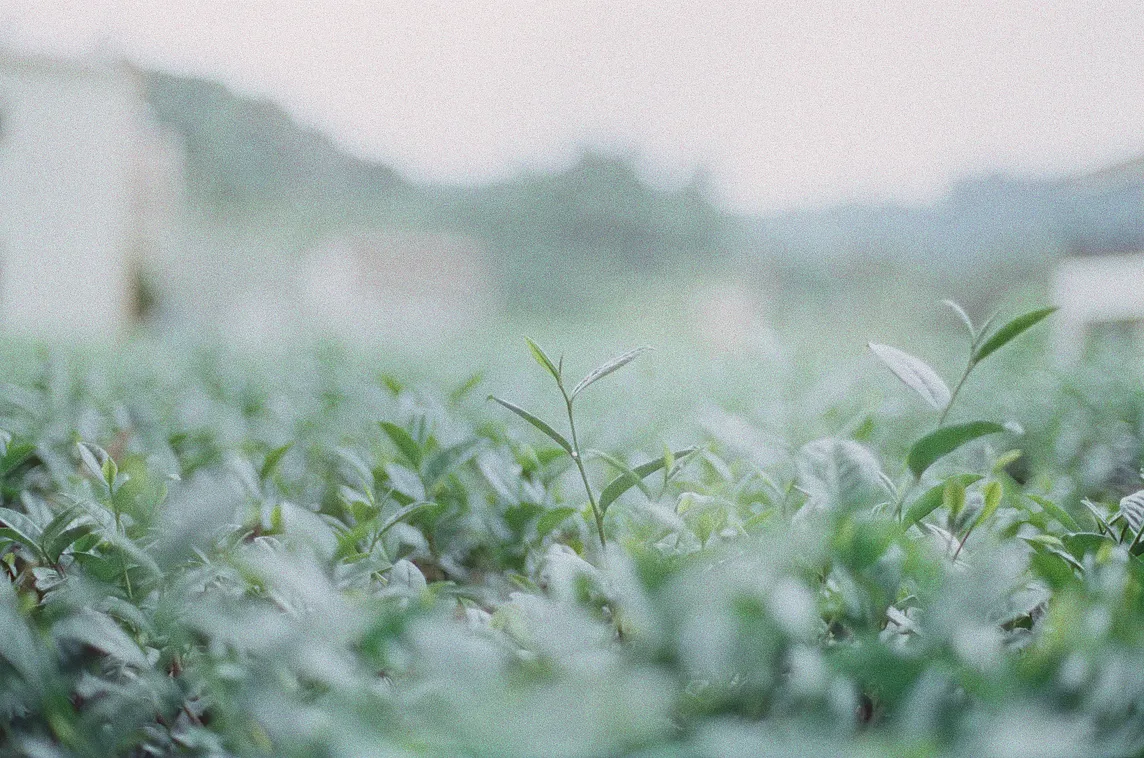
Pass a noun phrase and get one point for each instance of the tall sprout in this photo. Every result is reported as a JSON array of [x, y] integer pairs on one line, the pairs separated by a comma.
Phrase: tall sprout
[[918, 376], [571, 445]]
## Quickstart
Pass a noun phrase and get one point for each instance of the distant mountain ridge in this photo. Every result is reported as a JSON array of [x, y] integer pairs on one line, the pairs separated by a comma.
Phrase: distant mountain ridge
[[978, 221], [248, 159], [249, 156]]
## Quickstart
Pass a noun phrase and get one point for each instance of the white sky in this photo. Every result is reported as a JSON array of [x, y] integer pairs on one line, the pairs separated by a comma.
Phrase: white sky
[[786, 103]]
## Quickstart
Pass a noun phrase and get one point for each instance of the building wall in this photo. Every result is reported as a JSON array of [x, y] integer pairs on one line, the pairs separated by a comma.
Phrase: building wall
[[1095, 290], [395, 287], [1102, 282], [69, 168]]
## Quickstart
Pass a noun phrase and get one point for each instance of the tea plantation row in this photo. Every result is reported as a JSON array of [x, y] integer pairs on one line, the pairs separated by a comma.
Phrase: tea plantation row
[[205, 557]]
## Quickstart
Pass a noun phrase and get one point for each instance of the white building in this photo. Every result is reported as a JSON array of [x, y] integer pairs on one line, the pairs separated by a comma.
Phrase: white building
[[1101, 282], [398, 286], [89, 188]]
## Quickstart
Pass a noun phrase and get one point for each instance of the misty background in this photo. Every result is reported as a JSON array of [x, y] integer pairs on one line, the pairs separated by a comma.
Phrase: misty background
[[744, 173]]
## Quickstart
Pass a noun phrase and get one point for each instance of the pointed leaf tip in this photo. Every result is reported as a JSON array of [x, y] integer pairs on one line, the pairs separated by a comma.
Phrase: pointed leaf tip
[[542, 358], [403, 441], [603, 370], [273, 458], [1010, 331], [914, 373], [962, 315], [945, 440], [554, 435]]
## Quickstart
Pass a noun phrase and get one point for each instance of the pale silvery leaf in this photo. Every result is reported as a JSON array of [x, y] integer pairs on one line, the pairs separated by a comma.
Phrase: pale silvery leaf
[[601, 371], [405, 574], [961, 314], [305, 526], [102, 633], [563, 570], [915, 373], [405, 481], [838, 473], [90, 460], [1132, 508], [1014, 427]]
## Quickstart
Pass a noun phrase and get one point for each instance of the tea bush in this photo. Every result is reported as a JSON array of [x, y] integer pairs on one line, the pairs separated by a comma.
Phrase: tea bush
[[208, 557]]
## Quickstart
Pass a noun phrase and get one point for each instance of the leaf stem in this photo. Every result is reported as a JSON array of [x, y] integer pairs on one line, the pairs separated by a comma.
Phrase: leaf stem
[[1136, 540], [578, 459], [969, 366], [903, 493], [963, 541], [956, 389], [122, 561]]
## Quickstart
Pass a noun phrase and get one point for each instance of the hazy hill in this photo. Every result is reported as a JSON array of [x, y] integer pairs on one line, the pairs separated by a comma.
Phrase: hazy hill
[[250, 164], [248, 159], [981, 221]]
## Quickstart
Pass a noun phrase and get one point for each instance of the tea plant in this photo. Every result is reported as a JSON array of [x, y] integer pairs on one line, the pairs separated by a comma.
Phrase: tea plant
[[629, 477], [918, 376], [204, 556]]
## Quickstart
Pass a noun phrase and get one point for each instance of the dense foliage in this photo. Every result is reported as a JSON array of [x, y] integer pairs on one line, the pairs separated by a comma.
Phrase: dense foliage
[[207, 558]]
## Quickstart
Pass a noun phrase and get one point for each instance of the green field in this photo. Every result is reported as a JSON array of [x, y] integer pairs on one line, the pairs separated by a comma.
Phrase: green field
[[320, 553]]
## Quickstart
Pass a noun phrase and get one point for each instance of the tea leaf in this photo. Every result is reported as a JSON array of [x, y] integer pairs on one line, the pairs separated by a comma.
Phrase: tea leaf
[[601, 371], [444, 462], [90, 460], [403, 441], [933, 499], [953, 498], [945, 440], [102, 633], [405, 481], [272, 460], [402, 513], [1010, 331], [551, 519], [914, 373], [392, 383], [554, 435], [20, 528], [993, 492], [15, 455], [66, 539], [542, 358], [839, 474], [110, 470], [961, 314], [625, 482], [1101, 523], [466, 387], [1057, 512], [57, 525], [621, 467], [1082, 543], [1132, 508]]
